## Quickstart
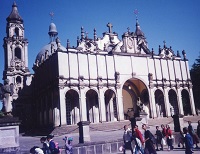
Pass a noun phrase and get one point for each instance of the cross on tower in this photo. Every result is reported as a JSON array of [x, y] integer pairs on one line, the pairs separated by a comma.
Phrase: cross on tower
[[51, 14], [109, 25]]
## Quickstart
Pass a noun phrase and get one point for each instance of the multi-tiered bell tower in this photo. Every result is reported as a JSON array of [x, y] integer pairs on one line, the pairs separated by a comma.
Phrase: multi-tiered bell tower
[[15, 51]]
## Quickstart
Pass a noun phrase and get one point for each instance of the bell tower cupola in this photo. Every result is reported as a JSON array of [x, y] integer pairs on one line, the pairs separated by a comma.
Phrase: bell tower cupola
[[15, 50]]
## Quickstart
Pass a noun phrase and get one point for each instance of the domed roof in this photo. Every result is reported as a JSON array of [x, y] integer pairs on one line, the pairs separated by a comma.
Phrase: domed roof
[[48, 50], [52, 30], [14, 15]]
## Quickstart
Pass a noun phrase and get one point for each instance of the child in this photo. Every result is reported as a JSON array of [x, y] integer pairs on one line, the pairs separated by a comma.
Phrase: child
[[68, 145]]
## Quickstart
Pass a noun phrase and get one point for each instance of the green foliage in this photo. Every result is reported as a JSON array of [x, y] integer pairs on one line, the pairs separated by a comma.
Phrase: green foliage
[[195, 77]]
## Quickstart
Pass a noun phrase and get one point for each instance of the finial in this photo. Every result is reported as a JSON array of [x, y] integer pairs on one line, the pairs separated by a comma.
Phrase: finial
[[68, 44], [82, 33], [51, 14], [78, 41], [95, 35], [159, 50], [128, 30], [109, 25], [164, 43], [184, 55], [86, 35], [178, 54]]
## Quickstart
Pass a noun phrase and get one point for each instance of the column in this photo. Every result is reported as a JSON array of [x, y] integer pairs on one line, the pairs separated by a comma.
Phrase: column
[[166, 99], [120, 106], [102, 109], [192, 101], [62, 106], [152, 103], [82, 103], [180, 104]]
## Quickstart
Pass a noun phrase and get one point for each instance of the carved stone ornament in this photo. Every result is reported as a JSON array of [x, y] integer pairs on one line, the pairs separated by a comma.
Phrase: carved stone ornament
[[117, 76]]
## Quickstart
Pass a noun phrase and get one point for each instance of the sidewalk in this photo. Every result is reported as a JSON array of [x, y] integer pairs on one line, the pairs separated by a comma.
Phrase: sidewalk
[[26, 142]]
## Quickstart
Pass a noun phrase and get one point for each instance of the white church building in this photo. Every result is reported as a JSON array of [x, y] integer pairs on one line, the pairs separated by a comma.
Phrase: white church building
[[102, 79]]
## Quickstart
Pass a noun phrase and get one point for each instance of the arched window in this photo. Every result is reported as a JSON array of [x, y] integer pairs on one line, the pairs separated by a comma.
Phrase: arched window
[[16, 31], [18, 53], [18, 79]]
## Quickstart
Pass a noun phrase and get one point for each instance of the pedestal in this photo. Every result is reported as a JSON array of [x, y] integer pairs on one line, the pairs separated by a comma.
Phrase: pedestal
[[178, 122], [9, 135], [84, 131]]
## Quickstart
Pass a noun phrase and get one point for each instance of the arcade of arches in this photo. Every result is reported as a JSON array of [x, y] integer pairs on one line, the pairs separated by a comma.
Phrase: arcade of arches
[[134, 93]]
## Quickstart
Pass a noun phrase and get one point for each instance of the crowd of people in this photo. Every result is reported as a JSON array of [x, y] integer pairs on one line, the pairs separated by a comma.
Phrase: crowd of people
[[49, 146], [147, 143]]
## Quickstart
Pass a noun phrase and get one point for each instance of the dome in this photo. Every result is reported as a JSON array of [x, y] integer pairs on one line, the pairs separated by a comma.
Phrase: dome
[[52, 30], [46, 51]]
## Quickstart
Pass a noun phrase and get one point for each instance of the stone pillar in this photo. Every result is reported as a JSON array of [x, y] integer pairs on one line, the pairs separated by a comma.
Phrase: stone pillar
[[180, 104], [120, 106], [82, 103], [62, 107], [152, 103], [166, 99], [192, 101], [102, 106], [84, 131]]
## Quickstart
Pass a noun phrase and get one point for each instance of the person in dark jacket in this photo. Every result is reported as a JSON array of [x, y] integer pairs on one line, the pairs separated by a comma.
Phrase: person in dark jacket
[[159, 137], [45, 145], [188, 141], [52, 146], [148, 139]]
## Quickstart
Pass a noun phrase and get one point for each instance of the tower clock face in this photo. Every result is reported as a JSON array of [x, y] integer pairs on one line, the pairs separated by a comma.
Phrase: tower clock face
[[130, 43]]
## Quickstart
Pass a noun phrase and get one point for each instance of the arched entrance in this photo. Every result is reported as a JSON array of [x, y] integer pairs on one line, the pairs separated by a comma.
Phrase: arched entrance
[[72, 107], [92, 104], [174, 110], [186, 102], [160, 104], [134, 93], [110, 105]]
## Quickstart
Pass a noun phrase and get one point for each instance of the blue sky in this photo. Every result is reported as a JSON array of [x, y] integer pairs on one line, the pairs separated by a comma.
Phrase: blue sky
[[175, 21]]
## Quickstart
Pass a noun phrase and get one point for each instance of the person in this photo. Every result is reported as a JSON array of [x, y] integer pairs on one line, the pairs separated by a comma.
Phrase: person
[[149, 146], [127, 139], [188, 141], [181, 140], [138, 134], [169, 138], [45, 145], [137, 145], [163, 130], [198, 129], [68, 145], [53, 146], [159, 137], [36, 150], [193, 134]]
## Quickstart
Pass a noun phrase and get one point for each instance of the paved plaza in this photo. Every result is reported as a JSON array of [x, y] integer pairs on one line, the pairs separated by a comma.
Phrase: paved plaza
[[26, 142]]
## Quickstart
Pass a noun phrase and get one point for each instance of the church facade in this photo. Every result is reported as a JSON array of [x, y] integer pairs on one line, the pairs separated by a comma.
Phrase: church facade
[[102, 79]]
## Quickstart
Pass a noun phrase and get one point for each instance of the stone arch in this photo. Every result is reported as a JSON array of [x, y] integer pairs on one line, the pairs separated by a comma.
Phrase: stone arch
[[110, 105], [186, 102], [18, 53], [160, 103], [174, 109], [92, 106], [134, 93], [72, 107]]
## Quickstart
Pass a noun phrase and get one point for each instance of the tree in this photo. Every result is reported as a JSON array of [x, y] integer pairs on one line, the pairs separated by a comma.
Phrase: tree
[[195, 77]]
